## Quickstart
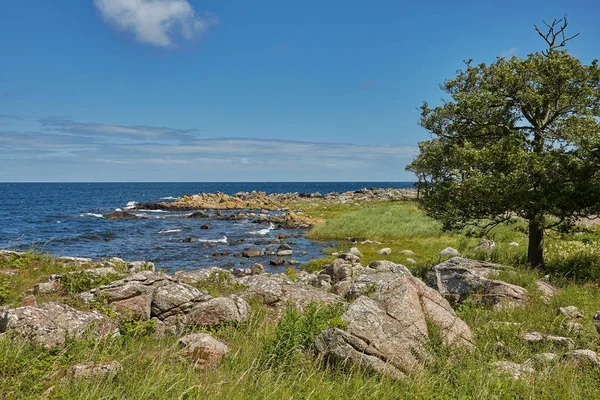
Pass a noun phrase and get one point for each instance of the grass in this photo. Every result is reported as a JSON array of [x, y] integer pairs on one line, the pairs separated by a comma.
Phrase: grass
[[273, 359], [154, 368]]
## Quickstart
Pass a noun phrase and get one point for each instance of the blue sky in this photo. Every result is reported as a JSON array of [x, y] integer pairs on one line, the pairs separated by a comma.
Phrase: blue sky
[[186, 90]]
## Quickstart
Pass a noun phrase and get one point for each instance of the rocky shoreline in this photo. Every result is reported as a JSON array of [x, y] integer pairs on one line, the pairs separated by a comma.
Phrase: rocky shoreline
[[388, 319], [275, 201]]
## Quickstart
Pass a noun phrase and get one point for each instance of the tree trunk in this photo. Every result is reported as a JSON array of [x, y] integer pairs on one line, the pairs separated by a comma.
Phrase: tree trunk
[[535, 252]]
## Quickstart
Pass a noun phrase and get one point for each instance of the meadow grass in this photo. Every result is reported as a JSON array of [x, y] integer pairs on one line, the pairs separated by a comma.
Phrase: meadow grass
[[273, 359]]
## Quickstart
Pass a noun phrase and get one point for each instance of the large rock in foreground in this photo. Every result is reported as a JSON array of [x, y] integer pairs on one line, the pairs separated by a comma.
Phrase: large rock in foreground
[[387, 328], [155, 295], [459, 278], [51, 323]]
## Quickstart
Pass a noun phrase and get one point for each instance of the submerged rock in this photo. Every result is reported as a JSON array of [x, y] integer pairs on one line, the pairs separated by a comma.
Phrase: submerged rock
[[121, 215]]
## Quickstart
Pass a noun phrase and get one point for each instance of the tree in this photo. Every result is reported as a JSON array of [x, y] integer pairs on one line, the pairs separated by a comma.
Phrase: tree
[[519, 137]]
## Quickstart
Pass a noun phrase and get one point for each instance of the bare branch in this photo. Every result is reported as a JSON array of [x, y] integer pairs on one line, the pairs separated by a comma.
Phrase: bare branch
[[556, 32]]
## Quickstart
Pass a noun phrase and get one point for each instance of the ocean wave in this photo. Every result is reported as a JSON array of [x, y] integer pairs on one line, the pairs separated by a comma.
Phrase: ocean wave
[[221, 240], [130, 205], [169, 230], [169, 198], [263, 231], [92, 215], [155, 211]]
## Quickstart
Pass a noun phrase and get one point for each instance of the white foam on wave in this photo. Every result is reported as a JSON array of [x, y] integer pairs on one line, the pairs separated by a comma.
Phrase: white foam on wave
[[155, 211], [130, 205], [169, 198], [221, 240], [118, 210], [92, 215], [169, 230], [263, 231]]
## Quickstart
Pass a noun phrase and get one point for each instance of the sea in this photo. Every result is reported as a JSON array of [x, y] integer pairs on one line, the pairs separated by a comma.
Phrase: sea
[[66, 219]]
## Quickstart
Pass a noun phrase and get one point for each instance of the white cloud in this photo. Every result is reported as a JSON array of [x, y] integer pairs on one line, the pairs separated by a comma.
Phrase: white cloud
[[509, 53], [156, 22]]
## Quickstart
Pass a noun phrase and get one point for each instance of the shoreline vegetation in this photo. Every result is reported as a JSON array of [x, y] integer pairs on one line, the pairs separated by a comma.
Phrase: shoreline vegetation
[[397, 309]]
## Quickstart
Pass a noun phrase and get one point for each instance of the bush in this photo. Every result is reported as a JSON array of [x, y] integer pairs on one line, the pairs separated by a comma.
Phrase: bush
[[297, 330], [82, 281], [220, 283], [4, 292]]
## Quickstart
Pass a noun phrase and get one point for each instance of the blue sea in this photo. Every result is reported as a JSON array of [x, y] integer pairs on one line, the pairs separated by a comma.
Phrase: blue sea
[[66, 219]]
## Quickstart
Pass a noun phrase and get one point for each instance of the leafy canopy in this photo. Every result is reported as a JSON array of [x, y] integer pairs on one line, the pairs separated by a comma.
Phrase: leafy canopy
[[520, 136]]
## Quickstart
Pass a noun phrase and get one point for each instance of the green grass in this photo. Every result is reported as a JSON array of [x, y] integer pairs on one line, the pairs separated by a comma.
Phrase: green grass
[[154, 367], [275, 360]]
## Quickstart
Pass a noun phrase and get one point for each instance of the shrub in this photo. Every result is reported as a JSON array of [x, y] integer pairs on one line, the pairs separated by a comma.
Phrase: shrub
[[220, 283], [297, 330], [82, 281], [4, 292]]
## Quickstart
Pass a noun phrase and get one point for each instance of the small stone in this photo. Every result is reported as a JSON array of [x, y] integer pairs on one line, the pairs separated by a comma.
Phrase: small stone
[[408, 252], [582, 356], [280, 236], [516, 371], [449, 252], [547, 290], [202, 349], [514, 244], [284, 247], [355, 251], [349, 257], [29, 301], [88, 370], [284, 253], [536, 337], [411, 261], [596, 321], [370, 242], [571, 312], [257, 269], [575, 328], [252, 253], [540, 360], [277, 261], [486, 246], [139, 266], [46, 287], [205, 227], [385, 251]]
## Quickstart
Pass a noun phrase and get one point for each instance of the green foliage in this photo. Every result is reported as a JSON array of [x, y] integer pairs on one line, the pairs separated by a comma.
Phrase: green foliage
[[4, 291], [574, 260], [297, 330], [133, 328], [220, 283], [517, 137], [82, 281]]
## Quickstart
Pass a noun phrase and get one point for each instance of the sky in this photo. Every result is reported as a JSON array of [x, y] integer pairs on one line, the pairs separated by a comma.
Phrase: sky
[[199, 90]]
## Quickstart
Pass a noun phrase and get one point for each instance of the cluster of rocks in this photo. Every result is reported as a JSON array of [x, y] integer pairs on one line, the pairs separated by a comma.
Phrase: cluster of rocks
[[262, 200], [389, 318], [147, 295]]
